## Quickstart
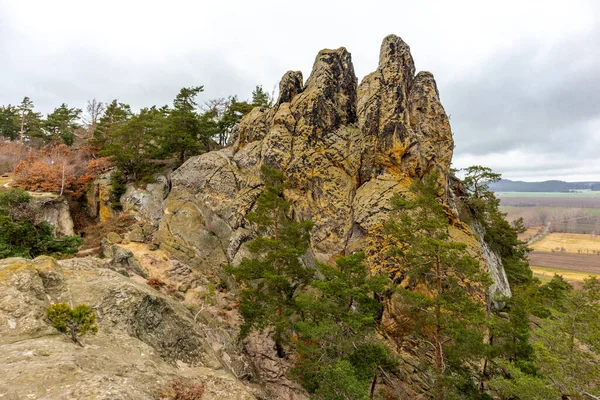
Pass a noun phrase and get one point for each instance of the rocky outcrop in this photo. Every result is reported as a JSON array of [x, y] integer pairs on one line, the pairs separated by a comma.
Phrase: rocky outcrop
[[53, 210], [345, 148], [98, 198], [146, 202], [145, 339]]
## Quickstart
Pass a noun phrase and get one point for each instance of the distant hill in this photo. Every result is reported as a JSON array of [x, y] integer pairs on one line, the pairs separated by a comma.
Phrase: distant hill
[[506, 185]]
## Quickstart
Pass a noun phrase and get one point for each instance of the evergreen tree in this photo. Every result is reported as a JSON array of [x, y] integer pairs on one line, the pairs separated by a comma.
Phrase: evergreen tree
[[73, 322], [183, 135], [9, 122], [61, 124], [478, 178], [445, 283], [232, 116], [130, 144], [260, 98], [339, 355], [115, 115], [561, 360], [499, 233], [275, 273], [30, 122]]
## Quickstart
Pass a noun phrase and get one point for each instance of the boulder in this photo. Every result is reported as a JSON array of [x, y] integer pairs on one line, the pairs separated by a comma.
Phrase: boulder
[[54, 210], [98, 198], [146, 202]]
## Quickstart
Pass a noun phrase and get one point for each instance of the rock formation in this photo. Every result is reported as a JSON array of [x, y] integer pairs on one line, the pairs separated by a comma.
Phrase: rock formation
[[145, 340], [53, 210], [345, 148]]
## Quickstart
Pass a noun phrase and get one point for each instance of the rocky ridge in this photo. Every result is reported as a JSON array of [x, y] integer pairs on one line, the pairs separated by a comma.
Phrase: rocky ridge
[[346, 149]]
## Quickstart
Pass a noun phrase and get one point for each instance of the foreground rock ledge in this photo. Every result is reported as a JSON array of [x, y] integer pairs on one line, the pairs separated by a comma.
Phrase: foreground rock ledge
[[144, 341]]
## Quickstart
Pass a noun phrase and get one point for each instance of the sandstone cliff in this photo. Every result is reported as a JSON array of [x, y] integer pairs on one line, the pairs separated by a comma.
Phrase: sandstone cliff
[[346, 149]]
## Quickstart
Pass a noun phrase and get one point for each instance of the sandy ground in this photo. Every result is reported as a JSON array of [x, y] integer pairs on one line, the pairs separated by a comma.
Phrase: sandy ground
[[156, 261]]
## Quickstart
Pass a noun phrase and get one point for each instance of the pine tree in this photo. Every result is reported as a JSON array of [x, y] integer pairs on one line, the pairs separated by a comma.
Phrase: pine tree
[[61, 124], [478, 178], [114, 116], [338, 354], [9, 122], [275, 273], [260, 98], [30, 122], [444, 282], [130, 145], [73, 322], [232, 116], [183, 135]]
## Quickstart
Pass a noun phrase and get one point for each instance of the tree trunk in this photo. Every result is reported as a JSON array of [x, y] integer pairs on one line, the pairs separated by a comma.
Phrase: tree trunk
[[74, 334], [373, 384], [439, 355], [62, 183], [22, 132]]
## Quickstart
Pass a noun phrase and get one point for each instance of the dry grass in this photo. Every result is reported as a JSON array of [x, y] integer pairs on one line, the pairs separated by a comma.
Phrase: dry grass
[[571, 242], [93, 234], [5, 181], [546, 274], [530, 233]]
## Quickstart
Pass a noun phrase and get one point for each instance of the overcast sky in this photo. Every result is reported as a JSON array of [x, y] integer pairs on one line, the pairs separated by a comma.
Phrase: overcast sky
[[520, 79]]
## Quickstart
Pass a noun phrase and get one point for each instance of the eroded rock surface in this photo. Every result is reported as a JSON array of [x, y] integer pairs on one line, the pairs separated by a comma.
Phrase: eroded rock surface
[[145, 339], [55, 211], [345, 148]]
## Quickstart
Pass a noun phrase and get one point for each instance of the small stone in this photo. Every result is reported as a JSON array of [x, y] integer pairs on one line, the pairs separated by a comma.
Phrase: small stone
[[184, 287], [114, 238], [136, 235]]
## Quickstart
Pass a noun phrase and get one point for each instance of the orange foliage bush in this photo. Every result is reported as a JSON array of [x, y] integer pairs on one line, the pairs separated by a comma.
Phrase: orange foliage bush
[[58, 169]]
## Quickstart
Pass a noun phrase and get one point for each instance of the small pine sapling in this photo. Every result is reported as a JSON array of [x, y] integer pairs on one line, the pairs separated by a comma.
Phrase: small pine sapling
[[73, 322]]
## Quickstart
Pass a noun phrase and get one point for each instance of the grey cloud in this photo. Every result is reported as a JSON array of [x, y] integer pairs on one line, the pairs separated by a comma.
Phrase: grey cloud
[[526, 100]]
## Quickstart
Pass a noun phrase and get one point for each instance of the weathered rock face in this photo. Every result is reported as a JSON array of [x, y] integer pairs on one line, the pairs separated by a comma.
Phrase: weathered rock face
[[98, 198], [55, 211], [346, 149], [145, 338], [146, 203]]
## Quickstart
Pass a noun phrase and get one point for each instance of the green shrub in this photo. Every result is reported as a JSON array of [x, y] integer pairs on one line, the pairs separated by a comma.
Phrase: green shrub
[[73, 322], [21, 235]]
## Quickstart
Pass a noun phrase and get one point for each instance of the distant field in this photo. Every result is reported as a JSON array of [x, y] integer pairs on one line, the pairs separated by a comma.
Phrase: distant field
[[583, 263], [570, 242], [569, 212], [556, 201], [592, 212], [549, 194], [546, 274], [530, 233]]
